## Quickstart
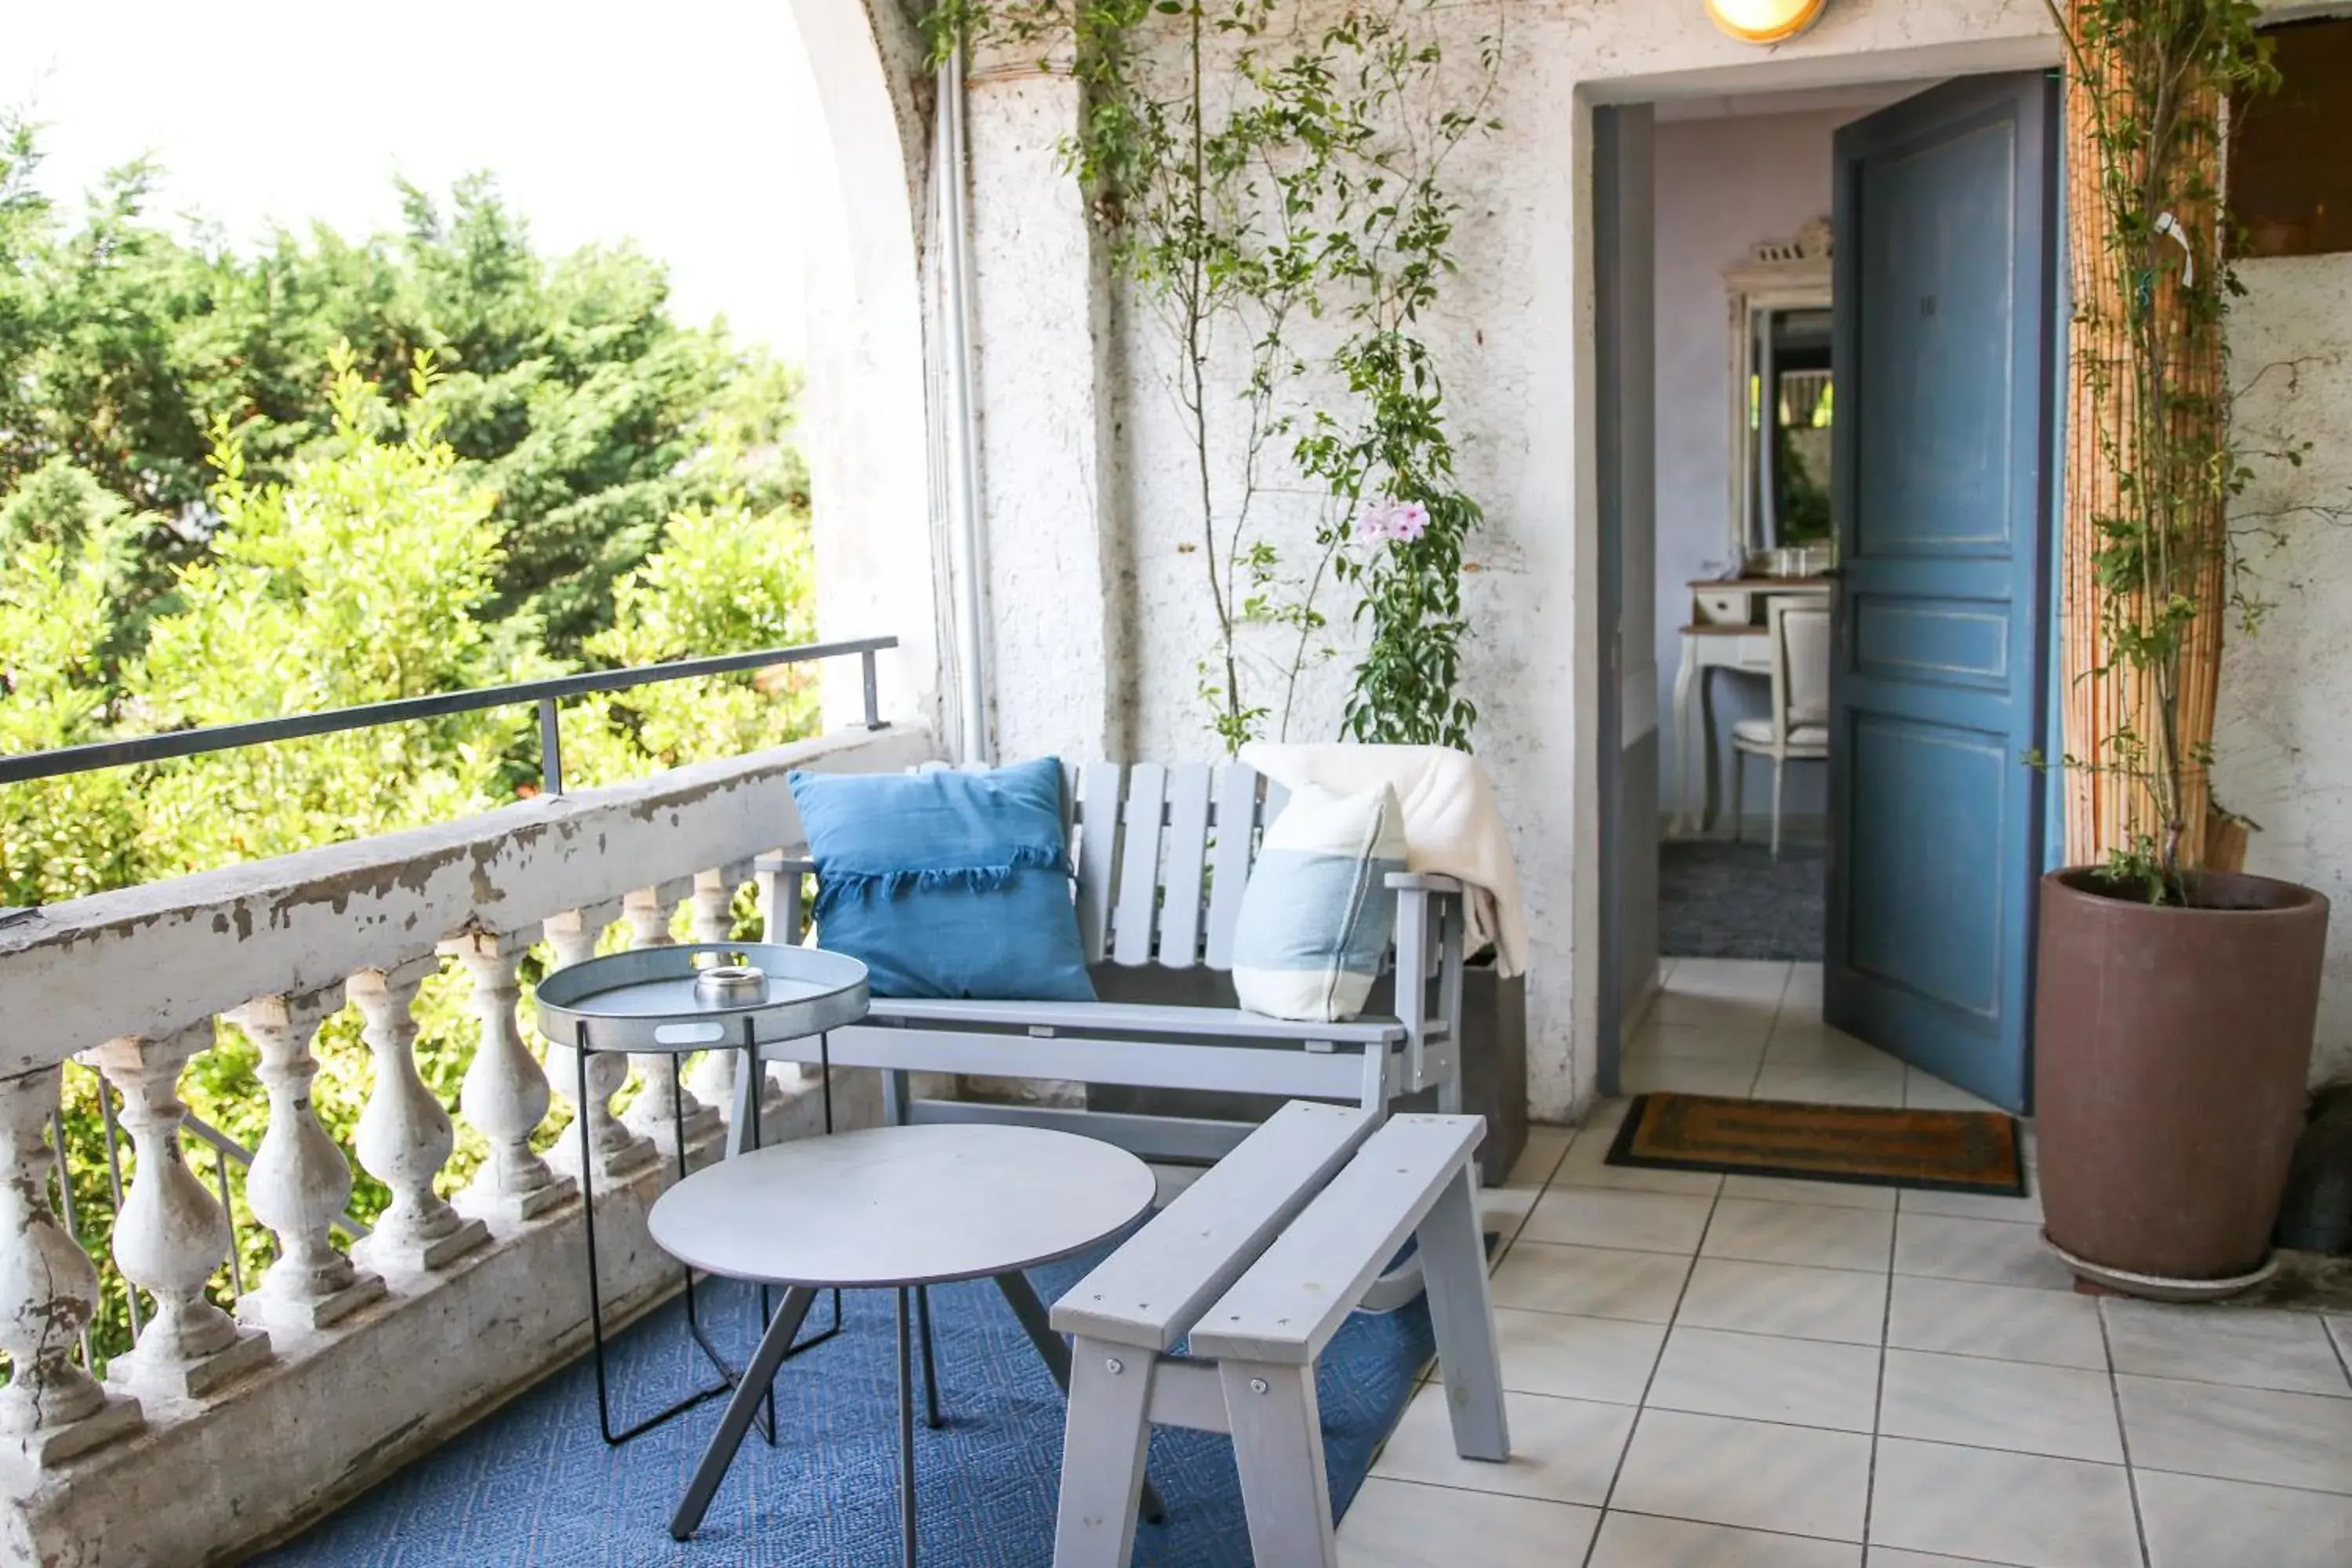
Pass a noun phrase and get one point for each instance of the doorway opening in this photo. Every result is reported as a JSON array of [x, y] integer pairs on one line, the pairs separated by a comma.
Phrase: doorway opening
[[1817, 655]]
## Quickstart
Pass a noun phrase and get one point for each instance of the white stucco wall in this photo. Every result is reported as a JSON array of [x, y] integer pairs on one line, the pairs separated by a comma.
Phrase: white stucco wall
[[2283, 753], [1099, 607], [1515, 340], [1056, 624]]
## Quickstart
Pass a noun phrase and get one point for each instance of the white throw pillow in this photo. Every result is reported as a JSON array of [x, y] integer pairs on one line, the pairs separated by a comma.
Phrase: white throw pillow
[[1318, 913]]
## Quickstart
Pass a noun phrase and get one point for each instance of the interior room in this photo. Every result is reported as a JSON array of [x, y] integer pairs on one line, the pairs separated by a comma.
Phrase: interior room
[[1745, 405]]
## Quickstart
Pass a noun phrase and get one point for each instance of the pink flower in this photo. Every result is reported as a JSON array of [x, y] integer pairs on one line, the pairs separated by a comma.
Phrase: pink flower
[[1397, 522]]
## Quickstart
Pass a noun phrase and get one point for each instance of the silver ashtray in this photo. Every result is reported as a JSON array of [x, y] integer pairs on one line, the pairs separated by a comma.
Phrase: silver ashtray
[[730, 986]]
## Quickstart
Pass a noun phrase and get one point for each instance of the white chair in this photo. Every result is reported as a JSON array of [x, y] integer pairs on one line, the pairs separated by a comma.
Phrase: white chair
[[1797, 729]]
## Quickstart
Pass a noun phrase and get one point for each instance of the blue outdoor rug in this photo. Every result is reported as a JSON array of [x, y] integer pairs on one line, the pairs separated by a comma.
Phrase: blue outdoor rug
[[535, 1484]]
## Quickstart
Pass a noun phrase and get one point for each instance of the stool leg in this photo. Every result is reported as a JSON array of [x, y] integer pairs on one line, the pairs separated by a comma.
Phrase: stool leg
[[906, 1436], [1104, 1438], [1461, 1310], [741, 1409], [1278, 1446], [1034, 1321]]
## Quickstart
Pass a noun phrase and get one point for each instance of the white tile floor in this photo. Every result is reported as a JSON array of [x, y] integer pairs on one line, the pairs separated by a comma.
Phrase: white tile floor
[[1712, 1372], [1730, 1026]]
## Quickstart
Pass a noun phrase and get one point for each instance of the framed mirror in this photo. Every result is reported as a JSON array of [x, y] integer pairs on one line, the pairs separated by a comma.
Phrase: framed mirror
[[1783, 402]]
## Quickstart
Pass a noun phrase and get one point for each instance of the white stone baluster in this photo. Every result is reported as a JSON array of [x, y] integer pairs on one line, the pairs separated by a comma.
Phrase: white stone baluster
[[711, 1075], [298, 1184], [405, 1135], [664, 1099], [51, 1409], [505, 1094], [616, 1149], [172, 1232]]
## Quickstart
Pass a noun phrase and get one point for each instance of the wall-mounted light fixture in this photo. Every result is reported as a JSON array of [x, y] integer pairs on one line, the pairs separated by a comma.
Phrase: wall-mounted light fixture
[[1764, 21]]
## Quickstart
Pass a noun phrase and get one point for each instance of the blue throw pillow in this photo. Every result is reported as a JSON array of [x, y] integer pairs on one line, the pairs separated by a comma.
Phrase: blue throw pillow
[[948, 885]]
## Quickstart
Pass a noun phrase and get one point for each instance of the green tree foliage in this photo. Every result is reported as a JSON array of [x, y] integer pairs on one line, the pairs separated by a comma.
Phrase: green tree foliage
[[728, 578], [588, 413], [368, 574], [333, 473], [60, 504], [62, 837]]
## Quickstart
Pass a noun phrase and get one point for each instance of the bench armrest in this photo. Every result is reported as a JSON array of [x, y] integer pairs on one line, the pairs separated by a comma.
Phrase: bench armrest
[[1430, 923], [782, 916]]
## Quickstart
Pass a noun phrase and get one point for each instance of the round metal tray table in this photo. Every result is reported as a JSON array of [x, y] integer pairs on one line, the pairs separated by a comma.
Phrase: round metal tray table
[[646, 1001]]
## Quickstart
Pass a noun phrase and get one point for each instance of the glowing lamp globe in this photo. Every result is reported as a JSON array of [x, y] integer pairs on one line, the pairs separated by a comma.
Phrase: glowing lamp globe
[[1764, 21]]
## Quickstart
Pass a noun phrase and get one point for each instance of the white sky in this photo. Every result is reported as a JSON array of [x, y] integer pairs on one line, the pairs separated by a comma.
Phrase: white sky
[[690, 125]]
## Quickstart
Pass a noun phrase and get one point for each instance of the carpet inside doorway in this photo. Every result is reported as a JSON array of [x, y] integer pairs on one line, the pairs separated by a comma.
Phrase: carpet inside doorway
[[1734, 900]]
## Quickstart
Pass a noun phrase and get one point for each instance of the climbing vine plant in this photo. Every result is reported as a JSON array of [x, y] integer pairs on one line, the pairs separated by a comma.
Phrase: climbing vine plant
[[1257, 175], [2153, 466]]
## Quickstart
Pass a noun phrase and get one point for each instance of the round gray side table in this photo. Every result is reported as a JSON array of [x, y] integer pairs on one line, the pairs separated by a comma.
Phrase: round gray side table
[[894, 1208], [646, 1001]]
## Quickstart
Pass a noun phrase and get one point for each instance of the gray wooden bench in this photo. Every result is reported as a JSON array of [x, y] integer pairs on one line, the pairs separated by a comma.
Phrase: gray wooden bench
[[1162, 854], [1257, 1263]]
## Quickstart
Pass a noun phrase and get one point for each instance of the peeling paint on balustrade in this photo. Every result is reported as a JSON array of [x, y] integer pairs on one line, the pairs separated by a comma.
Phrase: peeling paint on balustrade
[[148, 960], [183, 1454]]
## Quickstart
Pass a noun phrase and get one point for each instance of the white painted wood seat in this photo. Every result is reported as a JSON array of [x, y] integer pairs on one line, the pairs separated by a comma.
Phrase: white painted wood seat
[[1161, 855], [1044, 1019], [1257, 1263]]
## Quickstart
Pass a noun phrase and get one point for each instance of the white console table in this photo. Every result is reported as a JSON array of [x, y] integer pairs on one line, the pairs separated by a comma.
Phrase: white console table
[[1728, 629]]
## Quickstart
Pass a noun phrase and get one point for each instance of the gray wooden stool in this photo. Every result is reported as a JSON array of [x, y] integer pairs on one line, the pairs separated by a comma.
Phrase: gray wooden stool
[[1258, 1263]]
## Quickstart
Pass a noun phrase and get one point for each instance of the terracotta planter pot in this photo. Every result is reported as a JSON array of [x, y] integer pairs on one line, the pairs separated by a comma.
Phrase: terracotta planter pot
[[2171, 1049]]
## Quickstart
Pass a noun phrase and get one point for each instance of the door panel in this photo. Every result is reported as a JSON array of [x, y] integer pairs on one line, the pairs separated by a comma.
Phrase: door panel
[[1943, 324], [1930, 782]]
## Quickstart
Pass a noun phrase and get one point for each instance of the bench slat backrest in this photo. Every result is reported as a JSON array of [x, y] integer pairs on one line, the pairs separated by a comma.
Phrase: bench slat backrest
[[1229, 865], [1138, 901], [1151, 1290], [1163, 853], [1293, 1300], [1096, 797], [1186, 857]]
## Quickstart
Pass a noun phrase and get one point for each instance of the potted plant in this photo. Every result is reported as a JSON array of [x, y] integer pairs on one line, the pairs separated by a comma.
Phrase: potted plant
[[2175, 996]]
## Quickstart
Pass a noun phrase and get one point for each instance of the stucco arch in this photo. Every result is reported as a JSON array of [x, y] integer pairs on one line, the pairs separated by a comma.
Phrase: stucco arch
[[867, 426]]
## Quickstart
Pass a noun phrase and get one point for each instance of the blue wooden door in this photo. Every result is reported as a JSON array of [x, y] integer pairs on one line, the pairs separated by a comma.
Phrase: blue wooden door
[[1945, 280]]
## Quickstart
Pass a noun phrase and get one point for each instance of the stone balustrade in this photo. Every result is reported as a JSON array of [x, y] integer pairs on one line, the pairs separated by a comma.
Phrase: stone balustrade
[[220, 1429]]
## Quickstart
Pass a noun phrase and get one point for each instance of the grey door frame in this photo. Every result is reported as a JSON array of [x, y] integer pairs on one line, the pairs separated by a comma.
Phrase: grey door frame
[[1625, 351]]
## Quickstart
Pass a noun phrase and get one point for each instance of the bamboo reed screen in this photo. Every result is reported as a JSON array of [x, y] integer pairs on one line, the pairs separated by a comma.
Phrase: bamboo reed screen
[[2106, 809]]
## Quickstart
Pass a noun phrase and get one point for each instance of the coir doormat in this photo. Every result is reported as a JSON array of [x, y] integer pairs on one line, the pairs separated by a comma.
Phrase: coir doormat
[[1941, 1151]]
